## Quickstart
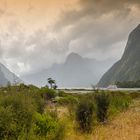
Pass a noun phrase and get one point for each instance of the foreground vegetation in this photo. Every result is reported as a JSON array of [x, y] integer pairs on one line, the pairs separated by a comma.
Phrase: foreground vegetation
[[30, 113]]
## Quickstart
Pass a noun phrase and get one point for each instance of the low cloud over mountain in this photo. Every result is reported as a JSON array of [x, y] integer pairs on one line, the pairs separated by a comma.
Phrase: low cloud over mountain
[[75, 72]]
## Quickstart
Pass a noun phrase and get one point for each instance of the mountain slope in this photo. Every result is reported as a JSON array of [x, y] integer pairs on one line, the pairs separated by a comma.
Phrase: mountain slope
[[76, 72], [128, 68], [7, 76]]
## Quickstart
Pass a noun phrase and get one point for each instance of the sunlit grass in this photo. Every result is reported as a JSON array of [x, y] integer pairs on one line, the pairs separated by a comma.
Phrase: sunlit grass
[[124, 126]]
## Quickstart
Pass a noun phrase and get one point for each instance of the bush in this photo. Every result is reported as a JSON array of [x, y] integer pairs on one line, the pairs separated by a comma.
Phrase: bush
[[69, 100], [119, 102], [102, 102], [19, 107], [48, 127], [7, 125], [84, 115], [62, 94], [48, 93], [16, 115], [39, 102]]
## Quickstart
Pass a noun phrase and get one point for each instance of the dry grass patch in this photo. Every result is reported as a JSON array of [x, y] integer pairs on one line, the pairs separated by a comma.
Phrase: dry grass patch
[[126, 126]]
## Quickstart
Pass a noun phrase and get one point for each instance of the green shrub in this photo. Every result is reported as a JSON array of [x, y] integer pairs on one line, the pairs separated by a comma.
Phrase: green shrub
[[44, 124], [119, 102], [69, 100], [102, 102], [48, 93], [18, 119], [16, 115], [48, 127], [39, 102], [7, 124], [84, 115], [62, 94]]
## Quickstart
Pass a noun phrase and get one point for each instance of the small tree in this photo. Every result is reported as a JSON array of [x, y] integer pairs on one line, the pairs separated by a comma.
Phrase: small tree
[[102, 101], [84, 115], [52, 83], [55, 86]]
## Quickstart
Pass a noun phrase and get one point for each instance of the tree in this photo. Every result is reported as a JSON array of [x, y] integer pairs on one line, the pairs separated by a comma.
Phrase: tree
[[55, 86], [52, 83]]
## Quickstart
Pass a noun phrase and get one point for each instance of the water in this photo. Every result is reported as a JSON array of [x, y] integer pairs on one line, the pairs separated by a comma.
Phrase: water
[[89, 90]]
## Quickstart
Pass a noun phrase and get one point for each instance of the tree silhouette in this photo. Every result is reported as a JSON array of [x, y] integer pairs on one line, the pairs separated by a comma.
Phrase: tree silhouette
[[51, 82]]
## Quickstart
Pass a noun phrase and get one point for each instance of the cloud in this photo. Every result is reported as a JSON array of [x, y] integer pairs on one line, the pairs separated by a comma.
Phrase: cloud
[[98, 25], [93, 28], [93, 9], [29, 54]]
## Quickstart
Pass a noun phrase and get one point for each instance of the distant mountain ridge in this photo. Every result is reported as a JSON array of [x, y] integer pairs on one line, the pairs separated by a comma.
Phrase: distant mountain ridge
[[128, 68], [7, 76], [75, 72]]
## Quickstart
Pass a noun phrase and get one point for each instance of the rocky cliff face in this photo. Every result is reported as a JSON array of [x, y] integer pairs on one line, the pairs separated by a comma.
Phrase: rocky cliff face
[[7, 76], [128, 68]]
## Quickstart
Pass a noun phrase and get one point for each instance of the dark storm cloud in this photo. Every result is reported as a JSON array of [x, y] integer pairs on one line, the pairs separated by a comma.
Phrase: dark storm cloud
[[95, 28], [98, 24], [95, 9]]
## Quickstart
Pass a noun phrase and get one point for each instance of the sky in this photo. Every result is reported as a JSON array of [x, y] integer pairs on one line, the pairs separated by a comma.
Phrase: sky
[[35, 34]]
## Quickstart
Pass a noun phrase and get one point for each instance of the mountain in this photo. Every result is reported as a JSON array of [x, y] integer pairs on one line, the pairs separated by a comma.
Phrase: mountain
[[75, 72], [128, 68], [7, 76]]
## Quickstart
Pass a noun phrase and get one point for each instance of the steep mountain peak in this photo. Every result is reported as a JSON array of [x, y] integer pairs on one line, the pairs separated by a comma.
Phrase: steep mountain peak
[[128, 68], [136, 30], [133, 44], [73, 55], [73, 58], [7, 76], [138, 27]]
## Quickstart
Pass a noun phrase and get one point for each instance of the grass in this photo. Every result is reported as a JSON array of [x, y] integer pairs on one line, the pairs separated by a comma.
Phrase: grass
[[124, 126], [57, 114]]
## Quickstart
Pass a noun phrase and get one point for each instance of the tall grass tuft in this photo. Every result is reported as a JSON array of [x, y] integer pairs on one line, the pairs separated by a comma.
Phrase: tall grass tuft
[[102, 102], [84, 115]]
